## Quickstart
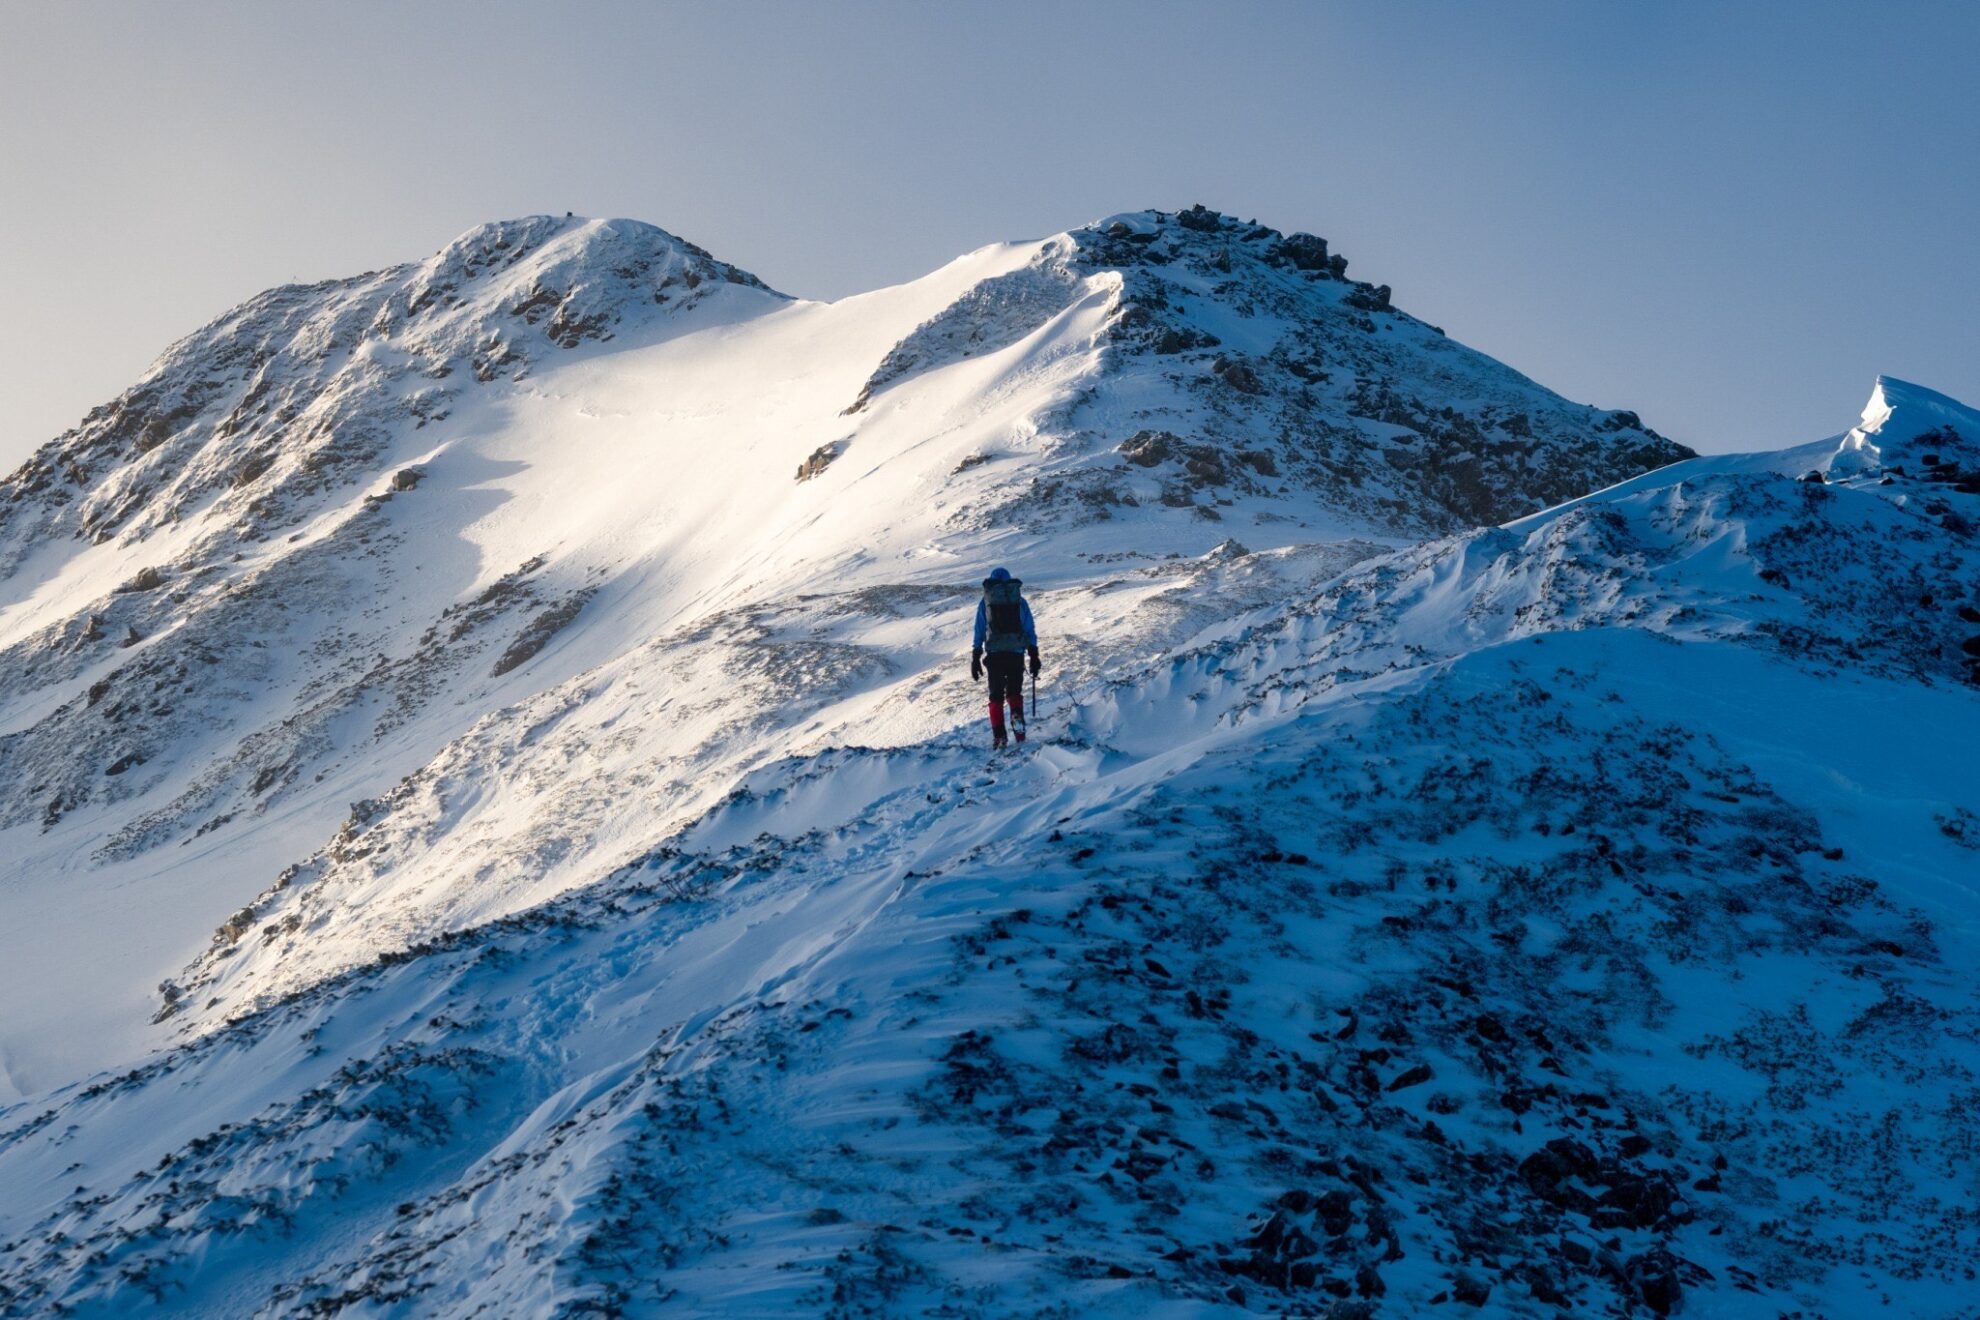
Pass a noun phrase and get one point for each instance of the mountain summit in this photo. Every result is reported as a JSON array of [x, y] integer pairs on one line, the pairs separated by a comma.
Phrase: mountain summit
[[1254, 374], [302, 389]]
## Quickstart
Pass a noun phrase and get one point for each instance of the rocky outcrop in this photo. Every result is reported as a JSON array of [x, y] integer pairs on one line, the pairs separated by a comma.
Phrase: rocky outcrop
[[821, 458], [1356, 404]]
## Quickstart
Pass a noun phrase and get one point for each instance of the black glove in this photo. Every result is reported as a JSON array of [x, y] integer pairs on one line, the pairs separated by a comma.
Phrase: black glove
[[1033, 653], [976, 666]]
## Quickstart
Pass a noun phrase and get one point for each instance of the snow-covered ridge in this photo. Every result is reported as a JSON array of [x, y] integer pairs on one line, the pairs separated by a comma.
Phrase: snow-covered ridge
[[1252, 366], [1902, 427], [1535, 919]]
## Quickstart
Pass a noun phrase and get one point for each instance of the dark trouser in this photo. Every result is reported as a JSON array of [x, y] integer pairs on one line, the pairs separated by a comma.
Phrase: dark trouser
[[1006, 670]]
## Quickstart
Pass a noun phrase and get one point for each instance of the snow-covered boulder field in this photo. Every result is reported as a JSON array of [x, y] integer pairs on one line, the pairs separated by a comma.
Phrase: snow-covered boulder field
[[483, 836]]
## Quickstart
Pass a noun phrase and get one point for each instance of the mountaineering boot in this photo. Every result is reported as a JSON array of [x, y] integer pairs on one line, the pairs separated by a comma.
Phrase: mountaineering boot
[[997, 740], [997, 724], [1017, 717]]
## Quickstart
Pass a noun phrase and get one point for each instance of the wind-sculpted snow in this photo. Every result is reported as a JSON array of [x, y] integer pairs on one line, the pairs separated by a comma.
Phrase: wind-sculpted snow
[[995, 314], [1555, 971], [1908, 427], [728, 689]]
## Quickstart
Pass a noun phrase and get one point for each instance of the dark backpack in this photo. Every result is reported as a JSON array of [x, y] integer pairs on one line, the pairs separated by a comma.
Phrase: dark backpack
[[1006, 619]]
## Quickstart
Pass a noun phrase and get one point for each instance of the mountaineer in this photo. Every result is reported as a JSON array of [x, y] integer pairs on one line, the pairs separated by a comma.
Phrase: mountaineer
[[1005, 635]]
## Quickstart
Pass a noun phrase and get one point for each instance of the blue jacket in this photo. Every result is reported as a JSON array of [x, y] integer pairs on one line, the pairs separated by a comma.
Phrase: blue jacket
[[1024, 615]]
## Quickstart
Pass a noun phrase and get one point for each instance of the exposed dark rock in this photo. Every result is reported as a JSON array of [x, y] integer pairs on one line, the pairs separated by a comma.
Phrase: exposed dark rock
[[1304, 251], [251, 470], [1638, 1202], [1412, 1077], [1550, 1171], [1200, 218], [1655, 1278], [1238, 375], [147, 579], [1180, 339], [1335, 1212], [823, 457], [1369, 297], [538, 633]]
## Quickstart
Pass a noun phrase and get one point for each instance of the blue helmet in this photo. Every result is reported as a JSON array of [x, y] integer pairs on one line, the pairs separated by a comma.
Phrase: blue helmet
[[999, 574]]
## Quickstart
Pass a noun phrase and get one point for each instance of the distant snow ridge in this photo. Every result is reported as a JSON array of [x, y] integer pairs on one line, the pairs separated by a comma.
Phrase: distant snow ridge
[[579, 886]]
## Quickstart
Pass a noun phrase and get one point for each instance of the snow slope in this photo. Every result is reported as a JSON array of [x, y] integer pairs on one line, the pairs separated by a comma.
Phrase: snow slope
[[389, 606], [1571, 917]]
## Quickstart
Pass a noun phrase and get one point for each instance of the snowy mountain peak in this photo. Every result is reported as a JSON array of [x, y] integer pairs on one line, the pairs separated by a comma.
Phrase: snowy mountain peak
[[575, 277], [1216, 368], [1132, 238], [1902, 424], [295, 391]]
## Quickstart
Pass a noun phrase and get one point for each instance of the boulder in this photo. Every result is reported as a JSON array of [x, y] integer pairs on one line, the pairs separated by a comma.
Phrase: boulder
[[1200, 218], [1469, 1289], [821, 458], [1238, 375], [1304, 251], [1411, 1077]]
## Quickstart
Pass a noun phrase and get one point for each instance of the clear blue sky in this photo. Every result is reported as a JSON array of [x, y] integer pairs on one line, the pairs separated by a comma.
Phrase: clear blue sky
[[1727, 216]]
